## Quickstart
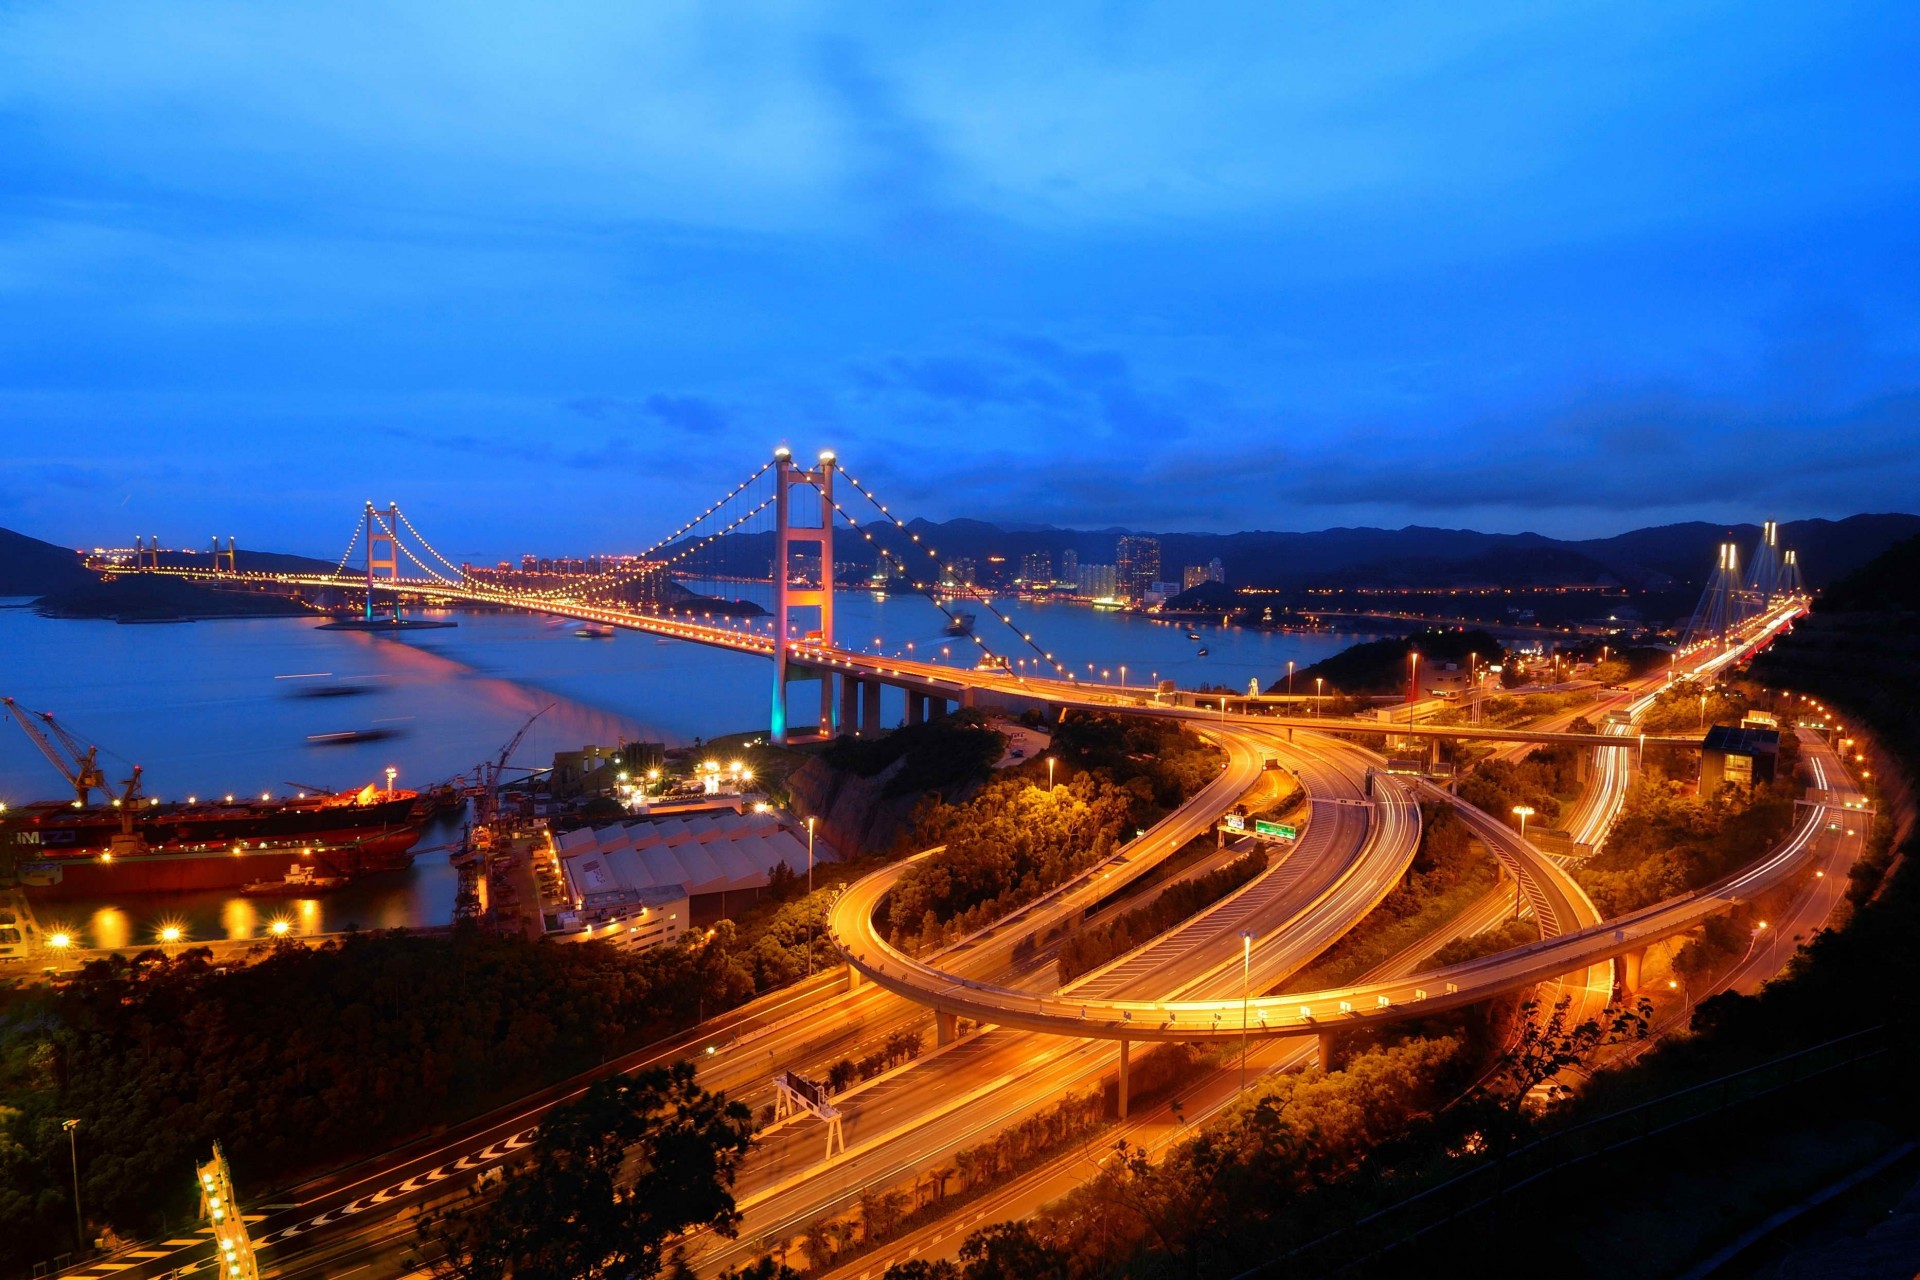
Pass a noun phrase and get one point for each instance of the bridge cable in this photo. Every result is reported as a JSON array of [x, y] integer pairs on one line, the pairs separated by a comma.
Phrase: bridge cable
[[616, 576], [975, 593], [428, 545], [907, 575]]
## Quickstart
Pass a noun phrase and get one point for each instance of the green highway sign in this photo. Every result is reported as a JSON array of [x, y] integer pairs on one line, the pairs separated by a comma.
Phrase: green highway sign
[[1278, 830]]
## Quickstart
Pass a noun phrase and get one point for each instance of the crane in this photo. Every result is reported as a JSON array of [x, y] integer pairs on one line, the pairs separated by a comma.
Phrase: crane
[[79, 765], [486, 794]]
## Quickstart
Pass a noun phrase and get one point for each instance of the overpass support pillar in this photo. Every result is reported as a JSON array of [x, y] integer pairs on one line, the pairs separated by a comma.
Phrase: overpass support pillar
[[916, 707], [1325, 1050], [829, 722], [1123, 1080], [870, 707], [1630, 963], [849, 703], [936, 706], [854, 978], [943, 1027], [966, 696]]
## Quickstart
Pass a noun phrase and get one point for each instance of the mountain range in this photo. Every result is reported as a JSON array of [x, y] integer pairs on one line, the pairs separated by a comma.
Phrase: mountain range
[[1660, 558]]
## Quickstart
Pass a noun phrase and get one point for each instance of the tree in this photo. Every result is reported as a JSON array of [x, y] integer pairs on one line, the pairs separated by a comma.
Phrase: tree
[[613, 1178], [1547, 1046], [922, 1269], [1011, 1251]]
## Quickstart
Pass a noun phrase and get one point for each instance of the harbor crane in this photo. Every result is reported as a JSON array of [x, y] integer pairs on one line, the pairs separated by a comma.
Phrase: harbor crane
[[78, 764]]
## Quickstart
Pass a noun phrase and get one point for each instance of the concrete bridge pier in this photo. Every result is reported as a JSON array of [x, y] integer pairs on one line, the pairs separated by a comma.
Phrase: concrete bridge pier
[[849, 703], [944, 1027], [854, 978], [1630, 962], [916, 707], [1123, 1080], [1323, 1048], [870, 707]]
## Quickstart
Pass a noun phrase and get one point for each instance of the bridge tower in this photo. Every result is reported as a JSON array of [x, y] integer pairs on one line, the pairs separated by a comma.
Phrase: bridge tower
[[383, 552], [787, 597], [223, 559], [1763, 572]]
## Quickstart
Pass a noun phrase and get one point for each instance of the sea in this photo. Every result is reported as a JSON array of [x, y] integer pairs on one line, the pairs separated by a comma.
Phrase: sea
[[220, 707]]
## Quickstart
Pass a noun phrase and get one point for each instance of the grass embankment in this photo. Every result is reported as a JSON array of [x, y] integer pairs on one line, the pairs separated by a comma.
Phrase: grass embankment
[[1450, 872]]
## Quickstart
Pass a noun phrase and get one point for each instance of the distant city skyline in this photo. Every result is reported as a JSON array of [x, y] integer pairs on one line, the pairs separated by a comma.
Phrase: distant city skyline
[[552, 281]]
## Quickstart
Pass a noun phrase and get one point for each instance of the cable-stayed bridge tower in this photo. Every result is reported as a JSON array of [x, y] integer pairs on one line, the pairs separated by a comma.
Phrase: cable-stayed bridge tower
[[1723, 605], [1763, 572]]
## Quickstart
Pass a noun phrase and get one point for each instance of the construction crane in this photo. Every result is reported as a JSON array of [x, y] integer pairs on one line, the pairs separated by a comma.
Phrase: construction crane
[[486, 791], [79, 764]]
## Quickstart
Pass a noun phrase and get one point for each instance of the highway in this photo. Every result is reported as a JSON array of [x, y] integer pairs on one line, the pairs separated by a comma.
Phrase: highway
[[978, 1084], [942, 1103]]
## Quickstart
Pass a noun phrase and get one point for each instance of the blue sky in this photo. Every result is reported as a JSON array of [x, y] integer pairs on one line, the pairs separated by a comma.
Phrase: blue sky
[[552, 276]]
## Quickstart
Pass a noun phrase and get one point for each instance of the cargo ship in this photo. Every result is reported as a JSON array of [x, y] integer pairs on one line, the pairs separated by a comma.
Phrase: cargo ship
[[130, 843]]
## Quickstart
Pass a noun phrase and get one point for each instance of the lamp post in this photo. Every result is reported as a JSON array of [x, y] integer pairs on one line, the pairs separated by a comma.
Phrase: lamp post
[[1049, 775], [1523, 812], [1703, 711], [79, 1221], [1318, 683], [1289, 678], [1246, 994], [810, 926]]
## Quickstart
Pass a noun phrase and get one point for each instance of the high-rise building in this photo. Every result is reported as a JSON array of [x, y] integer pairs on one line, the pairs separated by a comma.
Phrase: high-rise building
[[1096, 581], [962, 572], [1138, 561], [1036, 569], [1216, 572], [1193, 575], [1069, 566]]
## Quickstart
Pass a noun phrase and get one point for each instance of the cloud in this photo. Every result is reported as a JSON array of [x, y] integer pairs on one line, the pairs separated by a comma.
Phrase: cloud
[[692, 414]]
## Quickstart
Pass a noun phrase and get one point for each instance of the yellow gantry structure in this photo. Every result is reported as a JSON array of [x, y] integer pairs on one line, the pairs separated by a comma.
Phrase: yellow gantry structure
[[218, 1207]]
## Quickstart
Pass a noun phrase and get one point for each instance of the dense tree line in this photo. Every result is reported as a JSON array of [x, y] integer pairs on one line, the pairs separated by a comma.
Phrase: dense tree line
[[303, 1060], [1382, 666], [1085, 950], [1016, 838], [1542, 781], [1008, 845], [612, 1181], [1668, 839]]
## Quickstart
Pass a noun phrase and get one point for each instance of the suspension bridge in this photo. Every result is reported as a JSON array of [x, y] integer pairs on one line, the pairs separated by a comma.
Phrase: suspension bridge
[[779, 526]]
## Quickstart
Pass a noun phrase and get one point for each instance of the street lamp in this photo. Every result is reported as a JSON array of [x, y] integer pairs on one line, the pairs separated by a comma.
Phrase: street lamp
[[1049, 775], [73, 1149], [1523, 812], [1246, 994], [1289, 677], [810, 822], [1703, 711], [1318, 683]]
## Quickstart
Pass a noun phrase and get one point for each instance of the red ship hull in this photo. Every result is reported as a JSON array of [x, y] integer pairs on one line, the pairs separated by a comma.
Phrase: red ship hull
[[52, 852], [177, 872]]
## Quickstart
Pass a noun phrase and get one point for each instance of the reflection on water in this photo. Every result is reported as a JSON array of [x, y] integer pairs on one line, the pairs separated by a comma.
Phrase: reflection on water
[[204, 710]]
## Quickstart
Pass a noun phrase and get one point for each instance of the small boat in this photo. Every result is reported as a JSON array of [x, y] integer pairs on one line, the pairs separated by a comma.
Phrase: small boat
[[347, 737], [1199, 653], [300, 879], [594, 631], [1193, 635], [960, 624]]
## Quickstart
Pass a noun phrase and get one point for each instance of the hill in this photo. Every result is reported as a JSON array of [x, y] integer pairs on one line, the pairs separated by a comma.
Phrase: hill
[[30, 567]]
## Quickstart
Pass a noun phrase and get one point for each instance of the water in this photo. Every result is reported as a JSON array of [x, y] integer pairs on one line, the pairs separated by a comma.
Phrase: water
[[211, 708]]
